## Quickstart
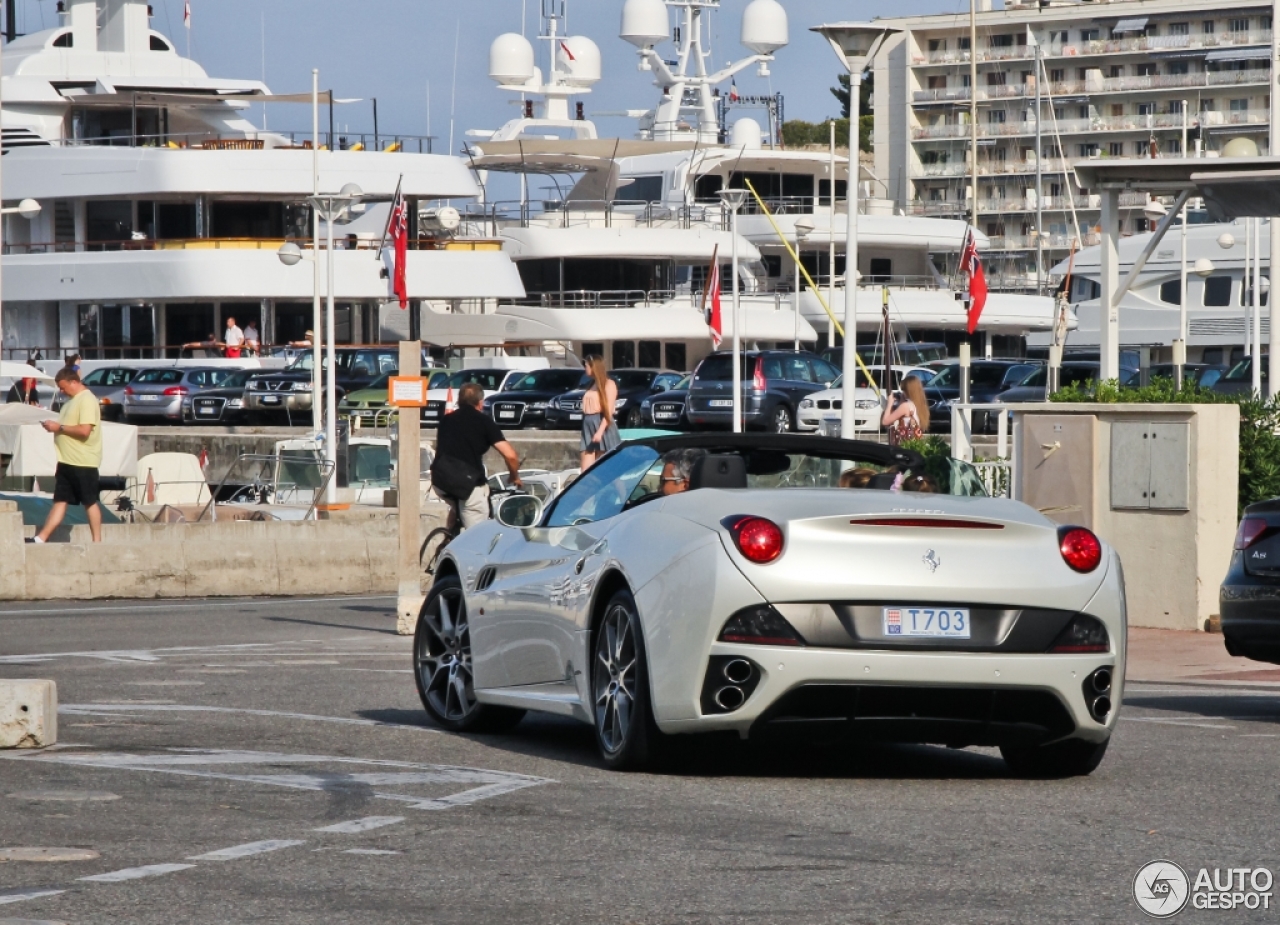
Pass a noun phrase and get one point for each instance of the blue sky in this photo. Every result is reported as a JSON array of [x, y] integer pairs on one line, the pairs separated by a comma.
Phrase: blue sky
[[394, 49]]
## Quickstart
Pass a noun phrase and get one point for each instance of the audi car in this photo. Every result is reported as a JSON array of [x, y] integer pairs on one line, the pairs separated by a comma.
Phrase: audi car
[[1250, 597]]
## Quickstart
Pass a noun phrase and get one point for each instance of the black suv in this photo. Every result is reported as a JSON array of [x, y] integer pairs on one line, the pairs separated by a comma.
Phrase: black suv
[[524, 402], [773, 384], [986, 381], [634, 386], [288, 391]]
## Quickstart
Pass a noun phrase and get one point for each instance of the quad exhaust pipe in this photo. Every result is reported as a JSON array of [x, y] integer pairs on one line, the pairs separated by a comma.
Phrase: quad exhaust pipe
[[1097, 690], [729, 683], [737, 671], [729, 698]]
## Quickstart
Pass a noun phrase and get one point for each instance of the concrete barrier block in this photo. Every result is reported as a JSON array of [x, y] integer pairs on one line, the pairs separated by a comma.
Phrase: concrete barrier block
[[55, 571], [383, 557], [323, 567], [136, 569], [11, 528], [28, 714], [222, 569]]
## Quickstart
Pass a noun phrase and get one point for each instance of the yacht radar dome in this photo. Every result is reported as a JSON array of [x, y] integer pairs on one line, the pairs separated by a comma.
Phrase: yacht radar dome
[[578, 61], [644, 23], [746, 134], [764, 26], [511, 59]]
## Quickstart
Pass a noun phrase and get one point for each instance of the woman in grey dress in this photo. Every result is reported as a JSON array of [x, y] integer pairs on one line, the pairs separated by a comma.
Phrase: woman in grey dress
[[599, 432]]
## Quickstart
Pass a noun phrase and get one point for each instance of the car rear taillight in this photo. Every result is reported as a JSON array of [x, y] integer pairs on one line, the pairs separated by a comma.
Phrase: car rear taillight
[[758, 539], [1080, 548], [128, 390], [760, 625], [176, 390], [757, 379], [1082, 634], [1251, 530]]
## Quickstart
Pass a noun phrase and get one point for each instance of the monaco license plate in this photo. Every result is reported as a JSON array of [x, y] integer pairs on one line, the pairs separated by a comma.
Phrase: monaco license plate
[[721, 403], [927, 622], [665, 415], [271, 399]]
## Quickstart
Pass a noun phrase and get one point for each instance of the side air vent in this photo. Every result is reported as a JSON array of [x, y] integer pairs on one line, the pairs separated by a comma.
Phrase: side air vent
[[485, 578]]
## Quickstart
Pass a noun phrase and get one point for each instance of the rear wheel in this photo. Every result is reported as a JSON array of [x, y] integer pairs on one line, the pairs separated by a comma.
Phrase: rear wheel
[[432, 546], [781, 420], [1073, 758], [626, 734], [633, 418], [442, 665]]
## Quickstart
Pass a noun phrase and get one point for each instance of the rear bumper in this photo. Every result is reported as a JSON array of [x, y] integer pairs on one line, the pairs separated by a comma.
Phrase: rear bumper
[[1250, 611], [170, 409], [278, 401], [812, 421], [559, 419]]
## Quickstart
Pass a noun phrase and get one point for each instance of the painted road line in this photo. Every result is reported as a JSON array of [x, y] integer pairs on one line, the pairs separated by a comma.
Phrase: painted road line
[[136, 873], [355, 826], [369, 851], [206, 603], [17, 896], [123, 709], [246, 850]]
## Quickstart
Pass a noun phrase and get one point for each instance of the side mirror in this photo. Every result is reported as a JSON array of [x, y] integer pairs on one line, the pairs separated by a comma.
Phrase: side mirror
[[519, 511]]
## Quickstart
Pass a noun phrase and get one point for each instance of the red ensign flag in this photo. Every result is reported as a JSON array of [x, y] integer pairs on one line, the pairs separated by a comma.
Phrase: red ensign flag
[[971, 265], [713, 309], [398, 228]]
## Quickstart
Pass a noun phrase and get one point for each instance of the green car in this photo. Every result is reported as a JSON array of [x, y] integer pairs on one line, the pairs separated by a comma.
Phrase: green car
[[370, 404]]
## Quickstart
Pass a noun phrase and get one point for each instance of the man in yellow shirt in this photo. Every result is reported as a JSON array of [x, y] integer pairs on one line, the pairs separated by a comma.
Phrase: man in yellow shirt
[[77, 436]]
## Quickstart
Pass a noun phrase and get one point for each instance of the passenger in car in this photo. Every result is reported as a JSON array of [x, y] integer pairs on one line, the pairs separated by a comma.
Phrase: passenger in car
[[677, 469], [857, 478], [920, 483]]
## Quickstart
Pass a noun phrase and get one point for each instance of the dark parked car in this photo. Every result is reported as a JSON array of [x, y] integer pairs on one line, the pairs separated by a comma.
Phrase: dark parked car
[[224, 404], [107, 383], [165, 394], [774, 383], [909, 354], [986, 381], [1239, 379], [634, 386], [288, 391], [1250, 597], [667, 409], [1035, 387], [1205, 375], [524, 402]]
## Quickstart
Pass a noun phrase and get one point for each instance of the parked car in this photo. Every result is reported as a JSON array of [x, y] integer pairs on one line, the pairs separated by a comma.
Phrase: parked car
[[107, 383], [524, 399], [165, 394], [288, 391], [910, 354], [924, 373], [1239, 379], [774, 383], [442, 391], [1035, 387], [822, 408], [634, 386], [986, 381], [1249, 600], [1205, 375], [225, 403], [667, 409]]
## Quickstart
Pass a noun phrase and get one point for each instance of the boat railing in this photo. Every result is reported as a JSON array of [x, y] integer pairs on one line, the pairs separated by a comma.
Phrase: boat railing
[[491, 217], [599, 298], [344, 243], [392, 143]]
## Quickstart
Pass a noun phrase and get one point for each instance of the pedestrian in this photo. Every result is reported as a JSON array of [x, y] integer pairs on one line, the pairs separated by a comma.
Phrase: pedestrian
[[457, 474], [907, 413], [234, 339], [23, 393], [305, 343], [252, 341], [73, 363], [77, 438], [599, 402]]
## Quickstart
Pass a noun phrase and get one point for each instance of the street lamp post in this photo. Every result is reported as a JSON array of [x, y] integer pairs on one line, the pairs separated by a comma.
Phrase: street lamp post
[[804, 228], [733, 199], [856, 45]]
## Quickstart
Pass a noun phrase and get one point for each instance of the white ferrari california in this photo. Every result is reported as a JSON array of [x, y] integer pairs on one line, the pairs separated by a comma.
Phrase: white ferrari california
[[710, 582]]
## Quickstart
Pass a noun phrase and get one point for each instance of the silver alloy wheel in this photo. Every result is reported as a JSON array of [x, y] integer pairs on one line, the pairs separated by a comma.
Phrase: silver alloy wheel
[[443, 659], [782, 420], [614, 680]]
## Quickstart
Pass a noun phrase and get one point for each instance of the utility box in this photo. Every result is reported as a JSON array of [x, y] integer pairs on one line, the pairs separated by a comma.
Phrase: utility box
[[1159, 483]]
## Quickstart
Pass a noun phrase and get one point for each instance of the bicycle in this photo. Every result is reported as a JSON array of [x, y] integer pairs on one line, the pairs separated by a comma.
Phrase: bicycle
[[440, 537]]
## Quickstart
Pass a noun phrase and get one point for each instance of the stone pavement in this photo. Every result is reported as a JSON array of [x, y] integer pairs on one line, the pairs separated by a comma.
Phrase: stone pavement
[[1182, 657]]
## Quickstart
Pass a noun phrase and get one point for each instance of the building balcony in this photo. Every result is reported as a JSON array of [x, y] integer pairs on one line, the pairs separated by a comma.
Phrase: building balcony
[[1137, 44], [1075, 88], [1127, 123]]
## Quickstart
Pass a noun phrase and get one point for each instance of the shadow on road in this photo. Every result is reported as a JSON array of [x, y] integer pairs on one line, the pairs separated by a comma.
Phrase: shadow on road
[[386, 631], [1250, 708]]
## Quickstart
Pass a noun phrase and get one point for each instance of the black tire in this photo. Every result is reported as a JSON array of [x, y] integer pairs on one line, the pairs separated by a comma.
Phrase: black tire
[[633, 419], [781, 421], [626, 734], [432, 546], [442, 665], [1073, 758]]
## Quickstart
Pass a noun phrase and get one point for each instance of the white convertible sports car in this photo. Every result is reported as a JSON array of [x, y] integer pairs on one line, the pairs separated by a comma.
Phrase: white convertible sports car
[[765, 597]]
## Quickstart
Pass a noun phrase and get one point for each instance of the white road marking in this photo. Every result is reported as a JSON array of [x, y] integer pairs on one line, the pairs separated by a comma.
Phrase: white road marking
[[186, 762], [247, 850], [120, 709], [17, 896], [206, 602], [381, 670], [368, 851], [1259, 735], [356, 826], [137, 873], [1174, 722]]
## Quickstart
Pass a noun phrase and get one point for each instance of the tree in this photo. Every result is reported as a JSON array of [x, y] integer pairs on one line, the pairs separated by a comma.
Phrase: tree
[[865, 99]]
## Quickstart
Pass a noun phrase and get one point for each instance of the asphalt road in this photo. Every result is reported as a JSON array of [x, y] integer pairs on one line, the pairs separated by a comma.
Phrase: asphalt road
[[268, 761]]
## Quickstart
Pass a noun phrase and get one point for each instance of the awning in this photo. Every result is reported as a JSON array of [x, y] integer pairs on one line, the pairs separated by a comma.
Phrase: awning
[[1260, 52], [1137, 24]]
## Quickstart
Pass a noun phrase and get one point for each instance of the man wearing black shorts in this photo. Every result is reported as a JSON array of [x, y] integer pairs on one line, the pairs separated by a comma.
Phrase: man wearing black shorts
[[77, 437], [462, 439]]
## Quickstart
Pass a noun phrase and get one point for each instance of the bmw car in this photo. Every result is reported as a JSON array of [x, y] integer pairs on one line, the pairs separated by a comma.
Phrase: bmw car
[[764, 598]]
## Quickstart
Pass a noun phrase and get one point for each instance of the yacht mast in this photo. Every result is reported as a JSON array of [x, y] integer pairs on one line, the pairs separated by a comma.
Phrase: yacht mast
[[973, 106]]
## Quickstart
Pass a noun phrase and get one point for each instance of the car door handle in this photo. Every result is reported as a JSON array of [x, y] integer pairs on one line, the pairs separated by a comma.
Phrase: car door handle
[[598, 547]]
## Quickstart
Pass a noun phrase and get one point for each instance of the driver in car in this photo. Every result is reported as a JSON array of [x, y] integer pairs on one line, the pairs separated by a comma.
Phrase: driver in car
[[677, 469]]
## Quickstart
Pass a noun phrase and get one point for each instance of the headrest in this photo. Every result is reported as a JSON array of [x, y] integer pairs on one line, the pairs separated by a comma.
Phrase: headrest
[[726, 471], [884, 481]]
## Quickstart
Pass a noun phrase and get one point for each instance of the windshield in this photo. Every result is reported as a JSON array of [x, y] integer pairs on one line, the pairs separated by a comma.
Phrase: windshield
[[489, 379], [717, 368], [238, 379], [981, 376], [159, 375], [1241, 372], [547, 380], [378, 385], [632, 378]]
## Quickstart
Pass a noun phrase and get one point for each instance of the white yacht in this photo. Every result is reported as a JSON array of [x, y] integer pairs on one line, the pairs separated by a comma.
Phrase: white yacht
[[164, 207], [614, 259]]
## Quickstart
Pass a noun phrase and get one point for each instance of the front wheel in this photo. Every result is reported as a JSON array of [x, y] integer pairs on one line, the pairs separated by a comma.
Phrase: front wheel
[[626, 734], [442, 665], [633, 419], [1072, 758], [782, 423]]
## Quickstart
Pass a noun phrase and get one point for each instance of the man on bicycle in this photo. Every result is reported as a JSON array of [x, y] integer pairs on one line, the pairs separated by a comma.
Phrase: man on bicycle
[[457, 474]]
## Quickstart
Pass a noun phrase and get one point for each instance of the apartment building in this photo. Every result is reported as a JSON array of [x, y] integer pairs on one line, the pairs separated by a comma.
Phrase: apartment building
[[1118, 79]]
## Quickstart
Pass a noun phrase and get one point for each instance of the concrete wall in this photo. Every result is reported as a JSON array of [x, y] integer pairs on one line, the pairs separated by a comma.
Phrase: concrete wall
[[347, 556], [1174, 561]]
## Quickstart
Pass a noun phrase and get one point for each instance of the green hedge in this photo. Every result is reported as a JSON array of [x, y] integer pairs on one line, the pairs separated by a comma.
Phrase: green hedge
[[1259, 421]]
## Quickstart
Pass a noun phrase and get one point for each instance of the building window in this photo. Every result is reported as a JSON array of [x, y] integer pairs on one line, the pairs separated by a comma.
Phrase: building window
[[1179, 28], [963, 42], [1179, 67], [937, 44], [1206, 27], [1173, 146], [1117, 110], [938, 83], [1146, 109], [1090, 150], [1147, 69], [996, 79], [1083, 112], [1175, 106], [1238, 25], [1116, 149], [1059, 113], [1088, 35], [1208, 105], [964, 81], [1117, 70], [1239, 105], [1059, 38], [996, 117], [1217, 291], [1002, 41], [1141, 148], [1058, 75]]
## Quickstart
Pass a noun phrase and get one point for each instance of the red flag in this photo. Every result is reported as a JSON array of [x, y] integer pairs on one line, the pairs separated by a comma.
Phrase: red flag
[[713, 313], [151, 488], [971, 265], [398, 228], [204, 458], [567, 53], [733, 91], [186, 14]]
